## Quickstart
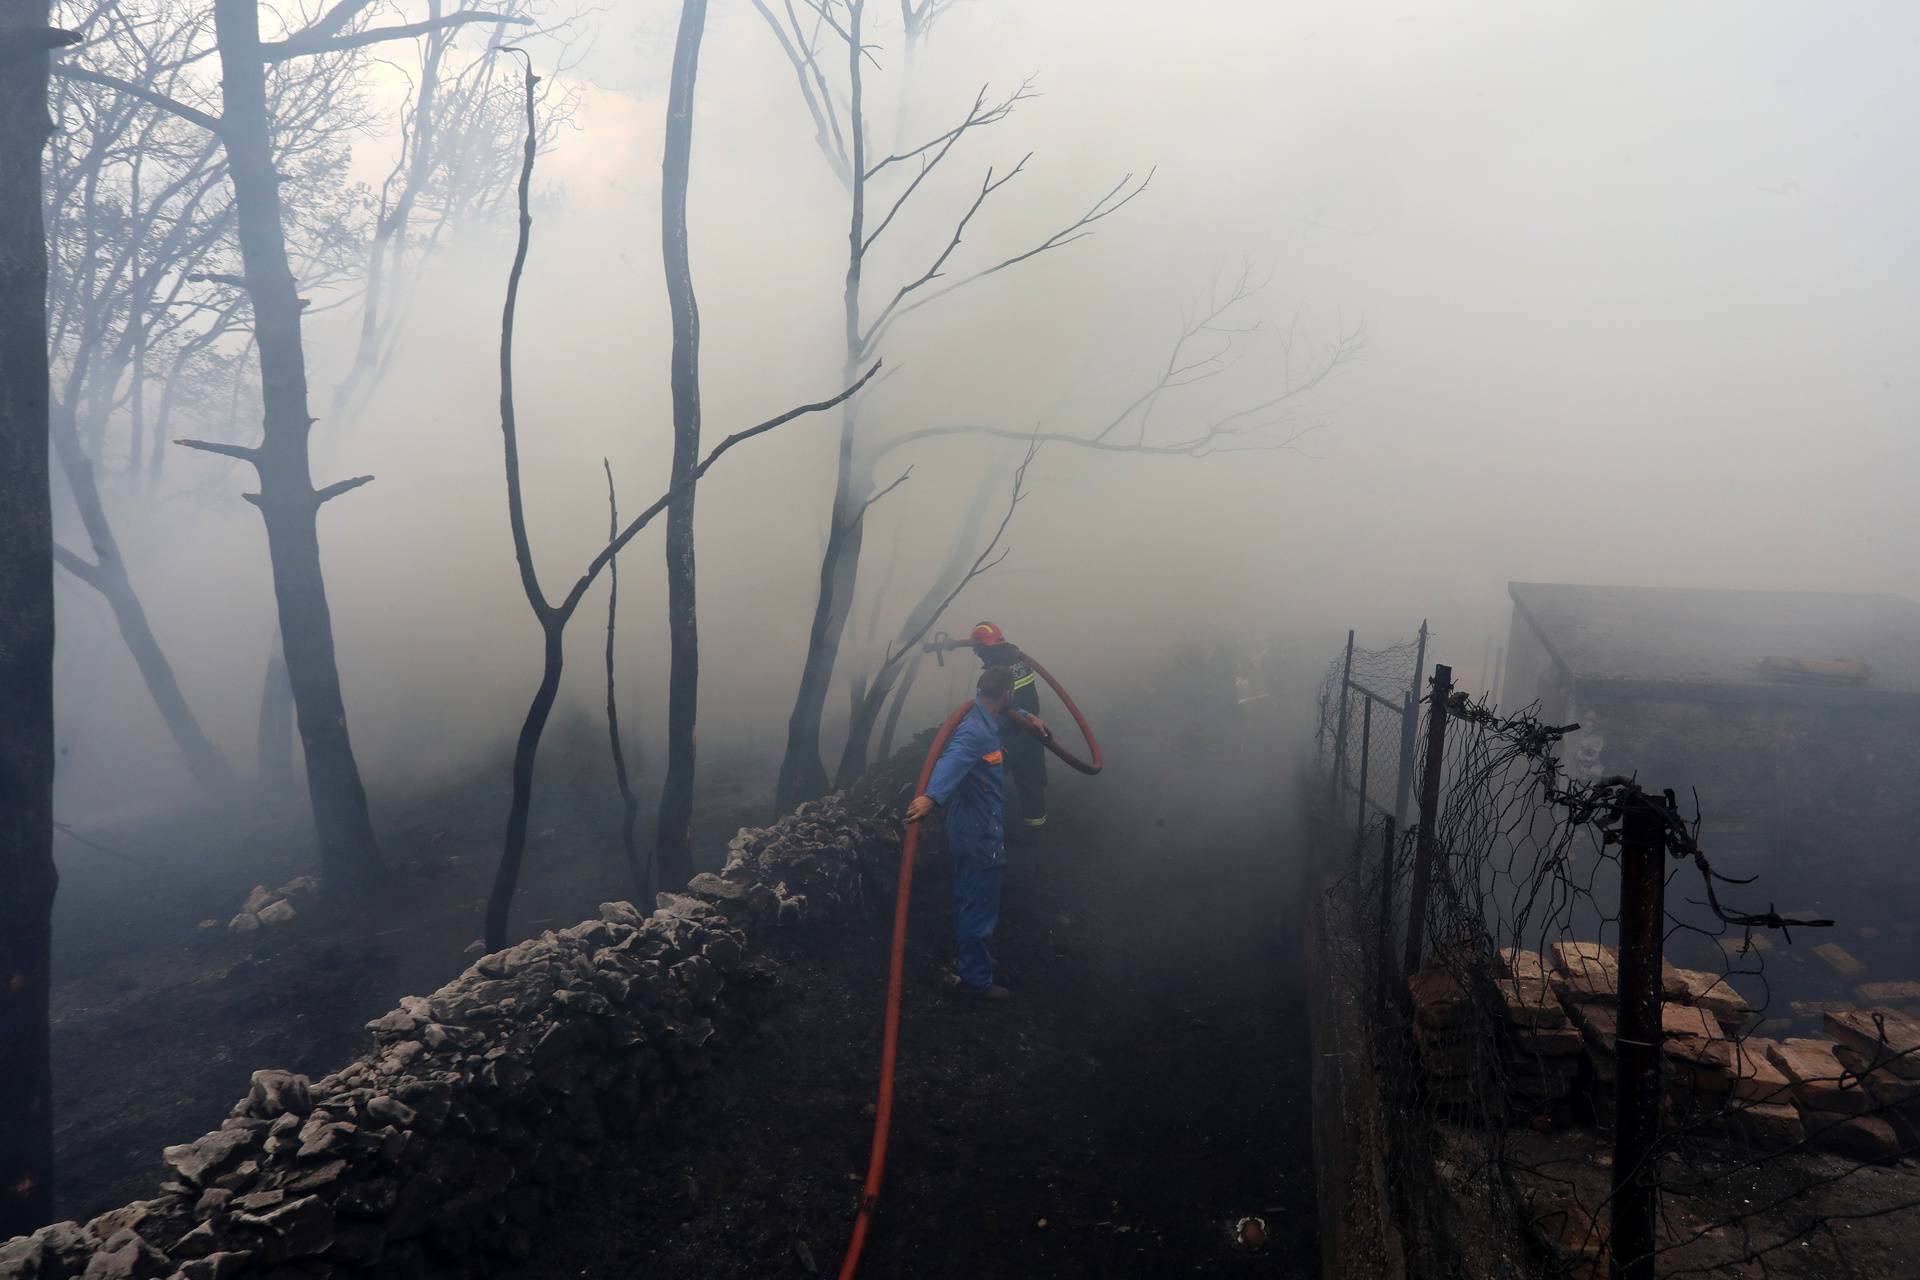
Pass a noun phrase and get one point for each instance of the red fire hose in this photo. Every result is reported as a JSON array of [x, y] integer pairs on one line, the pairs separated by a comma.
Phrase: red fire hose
[[890, 1036]]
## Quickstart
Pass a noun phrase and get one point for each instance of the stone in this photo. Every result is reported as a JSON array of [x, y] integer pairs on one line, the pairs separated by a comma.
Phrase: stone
[[217, 1266], [245, 922], [1530, 1002], [125, 1256], [1820, 1082], [1817, 1009], [319, 1138], [1888, 992], [1600, 1024], [1866, 1138], [213, 1200], [259, 898], [1688, 1031], [1738, 1069], [1518, 962], [1881, 1084], [390, 1111], [1439, 1002], [1588, 971], [276, 1093], [1711, 991], [311, 1180], [304, 1226], [276, 912], [1881, 1035], [1769, 1126], [1840, 960], [301, 884], [1544, 1042], [394, 1024], [195, 1162]]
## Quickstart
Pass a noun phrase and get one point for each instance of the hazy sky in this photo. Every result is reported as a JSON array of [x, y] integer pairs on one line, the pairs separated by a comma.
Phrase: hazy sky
[[1639, 286]]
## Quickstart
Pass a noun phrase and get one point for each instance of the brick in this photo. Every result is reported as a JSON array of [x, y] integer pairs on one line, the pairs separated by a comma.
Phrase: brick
[[1739, 1069], [1884, 1087], [1530, 1002], [1518, 962], [1438, 1000], [1769, 1126], [1711, 991], [1840, 959], [1858, 1030], [1544, 1042], [1600, 1024], [1868, 1138], [1820, 1081], [1588, 971]]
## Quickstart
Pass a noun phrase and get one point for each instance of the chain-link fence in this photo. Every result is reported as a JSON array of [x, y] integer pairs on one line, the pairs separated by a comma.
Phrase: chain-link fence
[[1569, 1014]]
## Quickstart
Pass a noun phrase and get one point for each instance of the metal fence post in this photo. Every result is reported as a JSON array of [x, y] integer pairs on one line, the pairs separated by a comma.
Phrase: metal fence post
[[1429, 812], [1340, 729], [1385, 940], [1366, 748], [1408, 720], [1643, 879]]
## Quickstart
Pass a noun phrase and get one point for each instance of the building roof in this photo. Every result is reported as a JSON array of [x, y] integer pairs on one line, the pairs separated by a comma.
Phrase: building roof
[[1719, 637]]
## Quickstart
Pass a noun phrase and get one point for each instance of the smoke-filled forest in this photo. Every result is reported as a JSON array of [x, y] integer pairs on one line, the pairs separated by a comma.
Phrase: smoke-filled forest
[[953, 638]]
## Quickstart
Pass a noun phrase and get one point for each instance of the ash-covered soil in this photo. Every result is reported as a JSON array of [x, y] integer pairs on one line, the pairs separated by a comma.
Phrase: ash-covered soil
[[158, 1023], [1145, 1088]]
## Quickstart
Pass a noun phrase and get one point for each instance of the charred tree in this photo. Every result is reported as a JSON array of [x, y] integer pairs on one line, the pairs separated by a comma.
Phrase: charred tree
[[673, 838], [553, 617], [27, 875], [288, 502], [107, 574], [629, 802], [273, 740], [843, 135]]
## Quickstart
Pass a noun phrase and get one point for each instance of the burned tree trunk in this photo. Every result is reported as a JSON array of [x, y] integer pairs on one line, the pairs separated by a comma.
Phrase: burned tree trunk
[[673, 843], [288, 502], [273, 741], [27, 876]]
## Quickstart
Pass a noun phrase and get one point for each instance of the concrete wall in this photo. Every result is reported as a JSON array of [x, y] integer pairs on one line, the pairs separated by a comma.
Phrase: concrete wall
[[440, 1150]]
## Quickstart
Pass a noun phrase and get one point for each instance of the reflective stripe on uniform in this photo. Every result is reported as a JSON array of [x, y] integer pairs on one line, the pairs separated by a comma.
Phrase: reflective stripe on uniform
[[1023, 681]]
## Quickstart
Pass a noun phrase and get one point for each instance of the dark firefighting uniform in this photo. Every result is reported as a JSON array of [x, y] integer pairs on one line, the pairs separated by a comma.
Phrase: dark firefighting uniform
[[1026, 757]]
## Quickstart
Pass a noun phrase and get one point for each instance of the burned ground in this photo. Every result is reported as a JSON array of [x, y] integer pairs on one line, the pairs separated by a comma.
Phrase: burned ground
[[1145, 1087], [1143, 1091]]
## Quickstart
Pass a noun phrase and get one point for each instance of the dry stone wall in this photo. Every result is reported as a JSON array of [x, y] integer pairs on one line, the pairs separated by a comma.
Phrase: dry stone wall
[[439, 1151]]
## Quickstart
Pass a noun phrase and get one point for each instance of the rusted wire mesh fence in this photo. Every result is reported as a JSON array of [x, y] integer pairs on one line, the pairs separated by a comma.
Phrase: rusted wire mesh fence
[[1571, 1014]]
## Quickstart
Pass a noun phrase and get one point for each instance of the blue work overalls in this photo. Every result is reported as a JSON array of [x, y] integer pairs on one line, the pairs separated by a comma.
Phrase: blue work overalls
[[968, 782]]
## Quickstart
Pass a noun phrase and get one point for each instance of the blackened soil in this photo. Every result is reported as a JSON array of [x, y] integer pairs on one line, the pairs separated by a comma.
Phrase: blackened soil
[[158, 1023], [1144, 1090]]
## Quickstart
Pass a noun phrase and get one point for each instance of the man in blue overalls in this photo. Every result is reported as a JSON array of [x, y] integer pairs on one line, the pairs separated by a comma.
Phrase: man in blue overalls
[[969, 782]]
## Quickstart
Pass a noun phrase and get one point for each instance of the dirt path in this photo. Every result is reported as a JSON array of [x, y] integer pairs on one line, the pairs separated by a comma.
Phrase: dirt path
[[1146, 1087]]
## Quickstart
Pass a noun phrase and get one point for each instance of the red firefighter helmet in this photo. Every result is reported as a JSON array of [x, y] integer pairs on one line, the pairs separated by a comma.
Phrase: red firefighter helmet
[[987, 634]]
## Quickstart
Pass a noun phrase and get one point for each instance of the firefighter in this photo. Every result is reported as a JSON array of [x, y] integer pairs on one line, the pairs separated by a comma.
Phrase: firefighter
[[1026, 757], [968, 781]]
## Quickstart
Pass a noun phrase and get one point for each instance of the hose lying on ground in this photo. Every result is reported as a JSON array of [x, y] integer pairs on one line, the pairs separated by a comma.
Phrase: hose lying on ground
[[896, 960]]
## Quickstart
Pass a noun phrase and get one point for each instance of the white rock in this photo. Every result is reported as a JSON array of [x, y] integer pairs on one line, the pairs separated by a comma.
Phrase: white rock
[[259, 898], [245, 922], [277, 912]]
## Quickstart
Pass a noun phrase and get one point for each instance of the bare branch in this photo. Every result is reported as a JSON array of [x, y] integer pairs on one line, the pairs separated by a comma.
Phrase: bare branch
[[240, 451], [1107, 205], [84, 570], [987, 187], [813, 91], [861, 514], [152, 98], [303, 45], [660, 504], [339, 487], [982, 563], [976, 118]]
